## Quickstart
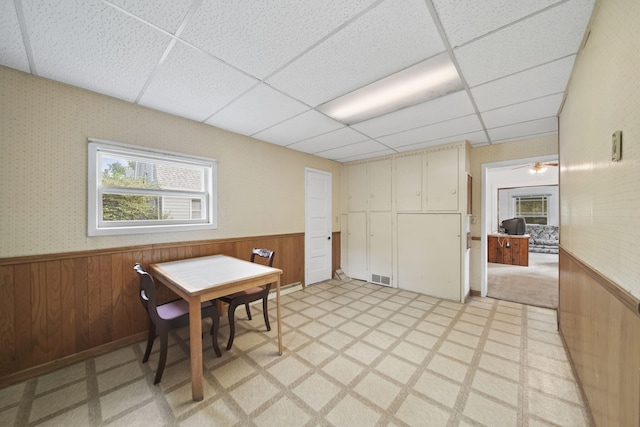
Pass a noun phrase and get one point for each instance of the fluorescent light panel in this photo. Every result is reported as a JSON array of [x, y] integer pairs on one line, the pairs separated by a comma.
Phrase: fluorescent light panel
[[419, 83]]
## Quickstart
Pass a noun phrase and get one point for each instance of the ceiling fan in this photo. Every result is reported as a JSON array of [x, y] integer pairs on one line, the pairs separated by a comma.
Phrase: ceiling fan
[[538, 167]]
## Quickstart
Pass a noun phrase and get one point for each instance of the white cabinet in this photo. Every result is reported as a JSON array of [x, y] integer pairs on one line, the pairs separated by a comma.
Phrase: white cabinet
[[408, 188], [357, 245], [429, 254], [357, 187], [380, 248], [379, 180], [442, 180]]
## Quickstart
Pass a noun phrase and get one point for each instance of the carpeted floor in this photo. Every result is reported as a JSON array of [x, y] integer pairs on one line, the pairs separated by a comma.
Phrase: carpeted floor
[[536, 284]]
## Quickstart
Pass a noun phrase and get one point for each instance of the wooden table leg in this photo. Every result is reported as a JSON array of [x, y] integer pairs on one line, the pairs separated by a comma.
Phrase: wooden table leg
[[195, 347], [278, 316]]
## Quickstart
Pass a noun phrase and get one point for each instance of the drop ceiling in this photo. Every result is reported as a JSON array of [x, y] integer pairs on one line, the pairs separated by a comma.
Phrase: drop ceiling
[[261, 67]]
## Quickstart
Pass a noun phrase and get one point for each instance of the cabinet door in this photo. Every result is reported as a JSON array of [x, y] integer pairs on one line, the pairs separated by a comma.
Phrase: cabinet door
[[379, 174], [380, 248], [429, 254], [357, 245], [442, 180], [358, 194], [408, 174]]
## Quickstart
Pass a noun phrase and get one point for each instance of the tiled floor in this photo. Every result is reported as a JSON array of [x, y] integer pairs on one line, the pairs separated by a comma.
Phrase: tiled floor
[[356, 354]]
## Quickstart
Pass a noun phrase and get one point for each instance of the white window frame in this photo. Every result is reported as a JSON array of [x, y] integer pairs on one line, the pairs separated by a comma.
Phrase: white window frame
[[98, 227]]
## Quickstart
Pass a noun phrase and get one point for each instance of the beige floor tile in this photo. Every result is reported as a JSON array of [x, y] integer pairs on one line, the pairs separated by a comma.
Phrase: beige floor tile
[[543, 326], [380, 312], [391, 328], [332, 320], [75, 417], [147, 415], [478, 311], [430, 328], [180, 400], [413, 312], [288, 370], [293, 340], [283, 413], [421, 339], [463, 338], [469, 328], [560, 368], [316, 391], [439, 389], [354, 329], [501, 350], [396, 369], [118, 357], [58, 400], [555, 386], [61, 377], [347, 312], [449, 368], [250, 395], [362, 352], [555, 410], [337, 339], [444, 311], [488, 412], [378, 390], [124, 398], [410, 352], [403, 319], [505, 338], [502, 367], [120, 375], [215, 414], [472, 318], [295, 320], [314, 329], [350, 412], [12, 394], [417, 412], [8, 416], [439, 319], [379, 339], [342, 369], [547, 350], [234, 371], [506, 327], [535, 335], [457, 351], [367, 319], [498, 387]]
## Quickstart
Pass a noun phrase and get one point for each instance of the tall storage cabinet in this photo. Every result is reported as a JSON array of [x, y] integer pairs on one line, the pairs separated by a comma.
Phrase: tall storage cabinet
[[405, 220]]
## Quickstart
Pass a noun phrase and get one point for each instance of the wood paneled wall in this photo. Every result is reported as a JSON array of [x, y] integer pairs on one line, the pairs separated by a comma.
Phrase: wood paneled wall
[[600, 325], [56, 308]]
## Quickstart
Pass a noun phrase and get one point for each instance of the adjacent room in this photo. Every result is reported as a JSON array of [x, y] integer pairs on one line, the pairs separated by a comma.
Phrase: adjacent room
[[303, 213]]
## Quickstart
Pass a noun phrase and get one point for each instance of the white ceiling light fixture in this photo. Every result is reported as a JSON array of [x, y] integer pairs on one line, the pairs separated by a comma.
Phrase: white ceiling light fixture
[[427, 80]]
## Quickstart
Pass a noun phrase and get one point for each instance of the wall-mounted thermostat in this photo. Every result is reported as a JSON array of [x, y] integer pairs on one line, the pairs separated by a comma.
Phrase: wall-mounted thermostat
[[616, 146]]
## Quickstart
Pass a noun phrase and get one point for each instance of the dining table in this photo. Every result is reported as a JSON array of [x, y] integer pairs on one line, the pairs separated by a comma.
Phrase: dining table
[[205, 278]]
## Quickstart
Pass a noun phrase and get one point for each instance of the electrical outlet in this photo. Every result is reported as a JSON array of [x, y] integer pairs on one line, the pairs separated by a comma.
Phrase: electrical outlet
[[616, 146]]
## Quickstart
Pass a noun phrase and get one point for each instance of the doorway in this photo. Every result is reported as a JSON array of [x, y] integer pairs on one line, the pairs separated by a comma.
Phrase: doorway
[[537, 283], [317, 233]]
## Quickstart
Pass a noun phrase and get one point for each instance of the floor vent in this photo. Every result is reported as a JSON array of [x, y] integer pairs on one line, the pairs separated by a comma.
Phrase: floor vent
[[381, 280]]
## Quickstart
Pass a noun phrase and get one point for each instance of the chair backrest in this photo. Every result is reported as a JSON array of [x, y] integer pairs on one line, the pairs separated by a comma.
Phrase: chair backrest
[[147, 293], [263, 253]]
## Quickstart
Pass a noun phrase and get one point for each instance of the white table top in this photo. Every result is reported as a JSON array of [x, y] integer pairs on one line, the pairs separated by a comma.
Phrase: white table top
[[197, 274]]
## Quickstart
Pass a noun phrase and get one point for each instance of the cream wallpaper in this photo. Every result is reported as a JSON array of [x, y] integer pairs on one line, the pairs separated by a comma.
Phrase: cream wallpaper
[[44, 128], [526, 148], [599, 198]]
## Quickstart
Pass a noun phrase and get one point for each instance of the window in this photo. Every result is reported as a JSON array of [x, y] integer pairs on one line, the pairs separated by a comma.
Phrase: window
[[534, 209], [139, 190]]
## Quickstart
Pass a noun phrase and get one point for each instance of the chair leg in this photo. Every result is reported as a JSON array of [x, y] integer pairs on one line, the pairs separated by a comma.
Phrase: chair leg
[[164, 344], [265, 312], [248, 311], [150, 338], [214, 330], [232, 324]]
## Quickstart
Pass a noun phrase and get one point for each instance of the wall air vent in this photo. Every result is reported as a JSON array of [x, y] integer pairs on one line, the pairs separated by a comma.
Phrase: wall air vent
[[381, 280]]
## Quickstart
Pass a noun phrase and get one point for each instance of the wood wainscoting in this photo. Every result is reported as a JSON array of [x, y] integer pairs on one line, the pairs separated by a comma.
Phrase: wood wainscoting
[[58, 309], [600, 325]]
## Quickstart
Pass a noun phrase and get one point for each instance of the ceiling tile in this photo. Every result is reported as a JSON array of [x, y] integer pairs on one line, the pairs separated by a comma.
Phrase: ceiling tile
[[526, 111], [259, 108], [166, 14], [329, 140], [474, 138], [453, 127], [358, 149], [441, 109], [304, 126], [545, 80], [114, 55], [372, 155], [192, 84], [262, 36], [550, 35], [465, 20], [524, 130], [401, 30], [12, 51]]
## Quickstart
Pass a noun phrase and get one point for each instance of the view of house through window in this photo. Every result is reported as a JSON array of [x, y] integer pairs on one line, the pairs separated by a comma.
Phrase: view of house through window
[[136, 188], [534, 209]]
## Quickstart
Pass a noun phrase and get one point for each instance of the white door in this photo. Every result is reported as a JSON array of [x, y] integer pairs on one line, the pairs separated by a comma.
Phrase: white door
[[317, 235], [357, 245]]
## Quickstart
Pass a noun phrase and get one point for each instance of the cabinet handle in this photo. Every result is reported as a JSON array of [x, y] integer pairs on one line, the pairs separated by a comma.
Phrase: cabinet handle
[[417, 193], [453, 191]]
